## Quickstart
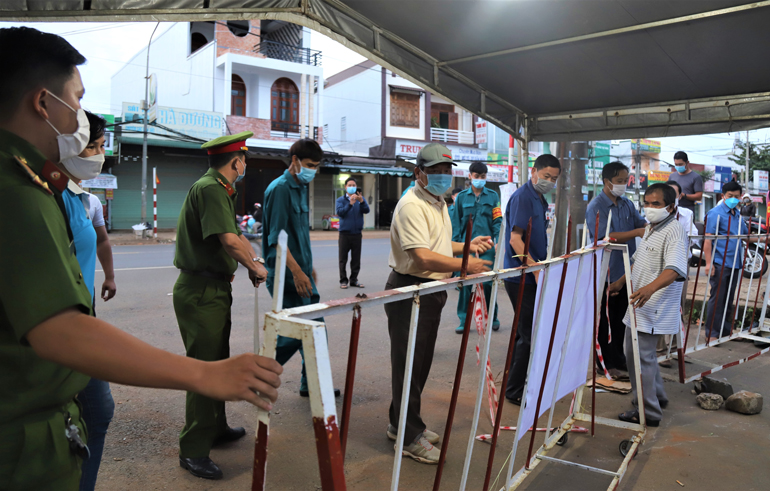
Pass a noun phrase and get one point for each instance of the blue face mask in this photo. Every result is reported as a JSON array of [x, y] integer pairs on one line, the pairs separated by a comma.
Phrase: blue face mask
[[306, 175], [351, 189], [241, 176], [438, 184], [680, 168], [478, 183], [732, 202]]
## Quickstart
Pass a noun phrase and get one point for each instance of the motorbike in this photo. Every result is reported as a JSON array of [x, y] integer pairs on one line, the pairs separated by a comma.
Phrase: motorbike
[[251, 229], [756, 262]]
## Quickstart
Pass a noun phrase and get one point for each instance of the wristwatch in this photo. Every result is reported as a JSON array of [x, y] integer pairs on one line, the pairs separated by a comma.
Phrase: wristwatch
[[258, 260]]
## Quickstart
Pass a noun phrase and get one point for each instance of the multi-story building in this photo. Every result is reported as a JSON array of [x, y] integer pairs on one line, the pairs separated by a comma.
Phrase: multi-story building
[[215, 78], [377, 120]]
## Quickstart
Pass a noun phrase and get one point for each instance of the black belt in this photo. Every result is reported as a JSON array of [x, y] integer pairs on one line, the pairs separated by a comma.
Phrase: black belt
[[214, 276]]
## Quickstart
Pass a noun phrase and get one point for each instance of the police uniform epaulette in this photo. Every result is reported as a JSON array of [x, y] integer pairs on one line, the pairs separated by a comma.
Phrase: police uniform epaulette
[[228, 187], [51, 174], [22, 163]]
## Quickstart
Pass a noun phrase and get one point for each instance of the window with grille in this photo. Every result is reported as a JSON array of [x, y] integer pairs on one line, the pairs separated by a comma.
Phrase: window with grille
[[284, 106], [404, 110], [238, 97]]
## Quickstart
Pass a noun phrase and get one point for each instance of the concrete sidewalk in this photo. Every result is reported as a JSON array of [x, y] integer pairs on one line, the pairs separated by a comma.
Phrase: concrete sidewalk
[[168, 236]]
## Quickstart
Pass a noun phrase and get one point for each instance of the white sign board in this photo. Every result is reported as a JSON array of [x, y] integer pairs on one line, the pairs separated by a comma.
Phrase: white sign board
[[760, 180], [577, 335], [410, 149], [481, 132], [102, 181]]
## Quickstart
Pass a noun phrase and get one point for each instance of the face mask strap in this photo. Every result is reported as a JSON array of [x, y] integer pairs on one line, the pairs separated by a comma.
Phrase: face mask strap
[[59, 99]]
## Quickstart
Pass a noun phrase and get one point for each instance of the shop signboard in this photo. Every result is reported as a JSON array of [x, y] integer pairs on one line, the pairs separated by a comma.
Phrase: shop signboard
[[205, 125], [109, 134], [410, 149], [481, 132], [658, 176], [722, 176], [760, 180], [650, 146]]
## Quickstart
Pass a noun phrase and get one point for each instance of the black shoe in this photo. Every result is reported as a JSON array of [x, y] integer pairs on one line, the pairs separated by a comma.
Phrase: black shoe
[[663, 404], [633, 417], [516, 400], [201, 467], [230, 435], [304, 393]]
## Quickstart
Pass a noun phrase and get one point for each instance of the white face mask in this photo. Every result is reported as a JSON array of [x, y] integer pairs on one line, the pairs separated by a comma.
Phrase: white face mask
[[72, 145], [656, 215], [618, 190], [84, 168]]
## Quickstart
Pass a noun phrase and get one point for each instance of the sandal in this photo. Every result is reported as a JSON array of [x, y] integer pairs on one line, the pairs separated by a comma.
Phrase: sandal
[[344, 286], [632, 416], [357, 285]]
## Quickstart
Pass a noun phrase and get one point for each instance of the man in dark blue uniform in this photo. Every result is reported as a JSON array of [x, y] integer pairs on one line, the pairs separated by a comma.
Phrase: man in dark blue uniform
[[525, 204]]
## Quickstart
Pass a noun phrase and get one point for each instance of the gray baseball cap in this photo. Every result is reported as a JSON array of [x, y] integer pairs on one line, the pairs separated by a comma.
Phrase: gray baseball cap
[[434, 153]]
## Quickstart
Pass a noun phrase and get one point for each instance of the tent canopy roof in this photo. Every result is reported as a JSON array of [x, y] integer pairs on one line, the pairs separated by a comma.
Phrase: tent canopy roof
[[577, 70]]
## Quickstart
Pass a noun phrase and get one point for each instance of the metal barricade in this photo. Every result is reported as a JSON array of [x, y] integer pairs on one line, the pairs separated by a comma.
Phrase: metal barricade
[[331, 433]]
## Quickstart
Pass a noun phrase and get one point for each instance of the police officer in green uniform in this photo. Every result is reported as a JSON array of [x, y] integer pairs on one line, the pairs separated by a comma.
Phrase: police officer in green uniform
[[483, 205], [209, 247], [286, 208], [49, 343]]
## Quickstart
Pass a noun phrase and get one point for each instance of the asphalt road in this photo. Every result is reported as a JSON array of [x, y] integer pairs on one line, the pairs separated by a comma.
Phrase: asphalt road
[[704, 450]]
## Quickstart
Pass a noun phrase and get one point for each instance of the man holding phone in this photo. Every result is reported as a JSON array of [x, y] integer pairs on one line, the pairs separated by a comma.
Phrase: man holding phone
[[351, 208]]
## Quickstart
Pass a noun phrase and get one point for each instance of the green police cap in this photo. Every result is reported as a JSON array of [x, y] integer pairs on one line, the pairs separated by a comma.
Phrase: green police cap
[[434, 153], [228, 143]]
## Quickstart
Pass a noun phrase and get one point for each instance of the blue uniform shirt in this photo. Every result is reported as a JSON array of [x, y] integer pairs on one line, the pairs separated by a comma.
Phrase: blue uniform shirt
[[286, 208], [524, 204], [737, 227], [84, 236], [625, 218], [487, 217], [351, 216]]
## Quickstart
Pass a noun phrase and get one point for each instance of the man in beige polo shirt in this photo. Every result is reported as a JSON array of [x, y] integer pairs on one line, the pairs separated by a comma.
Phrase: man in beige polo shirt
[[421, 250]]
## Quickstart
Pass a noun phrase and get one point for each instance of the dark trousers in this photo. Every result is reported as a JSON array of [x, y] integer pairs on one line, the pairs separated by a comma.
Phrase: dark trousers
[[98, 409], [202, 307], [716, 304], [612, 352], [518, 371], [350, 243], [399, 315]]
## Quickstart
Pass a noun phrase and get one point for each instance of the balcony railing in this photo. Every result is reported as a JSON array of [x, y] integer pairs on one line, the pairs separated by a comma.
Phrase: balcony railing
[[451, 136], [289, 130], [287, 52]]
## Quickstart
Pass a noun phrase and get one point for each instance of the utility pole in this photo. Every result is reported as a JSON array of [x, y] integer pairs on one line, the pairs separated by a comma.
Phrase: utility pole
[[569, 193], [747, 162], [145, 233], [638, 165]]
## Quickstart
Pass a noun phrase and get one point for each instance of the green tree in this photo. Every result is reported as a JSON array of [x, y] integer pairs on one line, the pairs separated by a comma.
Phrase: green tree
[[759, 156]]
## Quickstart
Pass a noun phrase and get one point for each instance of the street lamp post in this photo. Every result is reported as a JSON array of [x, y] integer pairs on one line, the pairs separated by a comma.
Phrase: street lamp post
[[144, 138]]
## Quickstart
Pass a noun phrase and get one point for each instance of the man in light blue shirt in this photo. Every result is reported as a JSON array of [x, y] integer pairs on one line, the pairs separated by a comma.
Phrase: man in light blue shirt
[[727, 264], [626, 225]]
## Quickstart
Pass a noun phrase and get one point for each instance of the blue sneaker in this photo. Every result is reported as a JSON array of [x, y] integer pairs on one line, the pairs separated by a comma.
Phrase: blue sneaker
[[496, 325], [460, 329]]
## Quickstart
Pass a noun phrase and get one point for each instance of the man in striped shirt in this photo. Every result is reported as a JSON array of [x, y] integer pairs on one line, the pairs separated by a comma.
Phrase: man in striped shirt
[[660, 264]]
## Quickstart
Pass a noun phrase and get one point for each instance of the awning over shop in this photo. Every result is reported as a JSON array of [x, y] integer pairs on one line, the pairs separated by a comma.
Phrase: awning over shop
[[578, 70], [362, 169]]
